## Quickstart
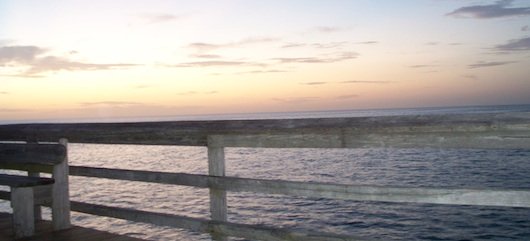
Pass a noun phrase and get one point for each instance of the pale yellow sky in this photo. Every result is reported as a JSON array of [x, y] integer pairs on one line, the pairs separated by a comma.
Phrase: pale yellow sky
[[95, 59]]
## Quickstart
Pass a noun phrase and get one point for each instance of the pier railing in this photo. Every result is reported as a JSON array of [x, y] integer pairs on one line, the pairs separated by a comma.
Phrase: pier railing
[[482, 131]]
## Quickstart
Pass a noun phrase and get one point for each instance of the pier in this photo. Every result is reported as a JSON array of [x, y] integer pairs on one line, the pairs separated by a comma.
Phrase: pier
[[478, 131]]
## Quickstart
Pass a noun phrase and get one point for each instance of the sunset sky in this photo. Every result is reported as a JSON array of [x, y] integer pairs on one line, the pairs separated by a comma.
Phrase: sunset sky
[[98, 59]]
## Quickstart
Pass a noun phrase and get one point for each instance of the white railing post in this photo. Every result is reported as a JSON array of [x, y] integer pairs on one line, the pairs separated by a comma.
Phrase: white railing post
[[218, 205], [61, 193]]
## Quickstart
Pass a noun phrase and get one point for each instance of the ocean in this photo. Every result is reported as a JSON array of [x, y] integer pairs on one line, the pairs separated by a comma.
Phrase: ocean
[[469, 168]]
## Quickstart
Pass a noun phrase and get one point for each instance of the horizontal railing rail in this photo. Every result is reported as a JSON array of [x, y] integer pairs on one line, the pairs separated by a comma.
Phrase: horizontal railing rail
[[453, 196], [483, 131], [500, 130]]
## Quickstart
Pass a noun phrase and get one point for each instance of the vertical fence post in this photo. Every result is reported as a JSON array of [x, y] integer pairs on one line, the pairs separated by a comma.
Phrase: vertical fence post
[[218, 205], [60, 193], [37, 210]]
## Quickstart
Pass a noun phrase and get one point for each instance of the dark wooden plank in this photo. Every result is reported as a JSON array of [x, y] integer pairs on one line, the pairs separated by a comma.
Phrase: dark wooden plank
[[44, 232], [194, 133], [23, 181], [17, 153]]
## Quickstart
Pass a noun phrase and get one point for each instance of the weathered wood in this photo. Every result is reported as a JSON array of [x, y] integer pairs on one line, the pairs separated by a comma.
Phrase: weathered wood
[[45, 232], [60, 192], [23, 217], [218, 203], [360, 131], [41, 195], [452, 196], [23, 181], [351, 139], [37, 211], [253, 232], [27, 167], [16, 153]]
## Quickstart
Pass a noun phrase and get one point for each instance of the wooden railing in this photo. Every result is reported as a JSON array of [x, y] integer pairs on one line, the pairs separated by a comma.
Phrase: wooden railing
[[499, 131]]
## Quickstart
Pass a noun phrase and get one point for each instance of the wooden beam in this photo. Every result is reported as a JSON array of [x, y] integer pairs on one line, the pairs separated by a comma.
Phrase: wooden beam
[[23, 217], [60, 192], [452, 196], [512, 127], [218, 203], [46, 154], [253, 232]]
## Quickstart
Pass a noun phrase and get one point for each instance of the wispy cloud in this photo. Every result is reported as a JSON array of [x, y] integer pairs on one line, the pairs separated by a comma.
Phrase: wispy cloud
[[219, 63], [525, 28], [13, 110], [417, 66], [4, 93], [483, 64], [296, 100], [110, 103], [153, 18], [36, 63], [142, 86], [314, 83], [263, 71], [326, 59], [470, 76], [329, 45], [497, 10], [346, 97], [205, 47], [326, 29], [367, 42], [293, 45], [206, 56], [189, 93], [515, 45], [365, 82]]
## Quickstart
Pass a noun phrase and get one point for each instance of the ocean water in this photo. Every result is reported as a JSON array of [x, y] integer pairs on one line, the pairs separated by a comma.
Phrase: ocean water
[[470, 168]]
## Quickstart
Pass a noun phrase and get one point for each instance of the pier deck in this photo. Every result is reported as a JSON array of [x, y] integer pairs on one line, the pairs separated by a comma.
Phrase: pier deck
[[44, 232]]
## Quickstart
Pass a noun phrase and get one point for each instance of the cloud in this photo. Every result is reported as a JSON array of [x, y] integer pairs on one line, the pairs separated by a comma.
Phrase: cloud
[[327, 59], [110, 103], [470, 76], [482, 64], [22, 54], [417, 66], [346, 97], [159, 17], [365, 82], [52, 63], [326, 29], [13, 110], [515, 45], [295, 100], [329, 45], [219, 63], [205, 47], [188, 93], [497, 10], [293, 45], [263, 71], [314, 83], [4, 93], [525, 28], [205, 56], [368, 42], [36, 63]]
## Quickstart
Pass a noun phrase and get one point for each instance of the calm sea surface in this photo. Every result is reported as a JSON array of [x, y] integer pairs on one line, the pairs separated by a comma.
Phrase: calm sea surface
[[379, 221]]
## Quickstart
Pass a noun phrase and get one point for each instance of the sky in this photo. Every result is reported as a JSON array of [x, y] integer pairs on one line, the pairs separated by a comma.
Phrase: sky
[[104, 59]]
